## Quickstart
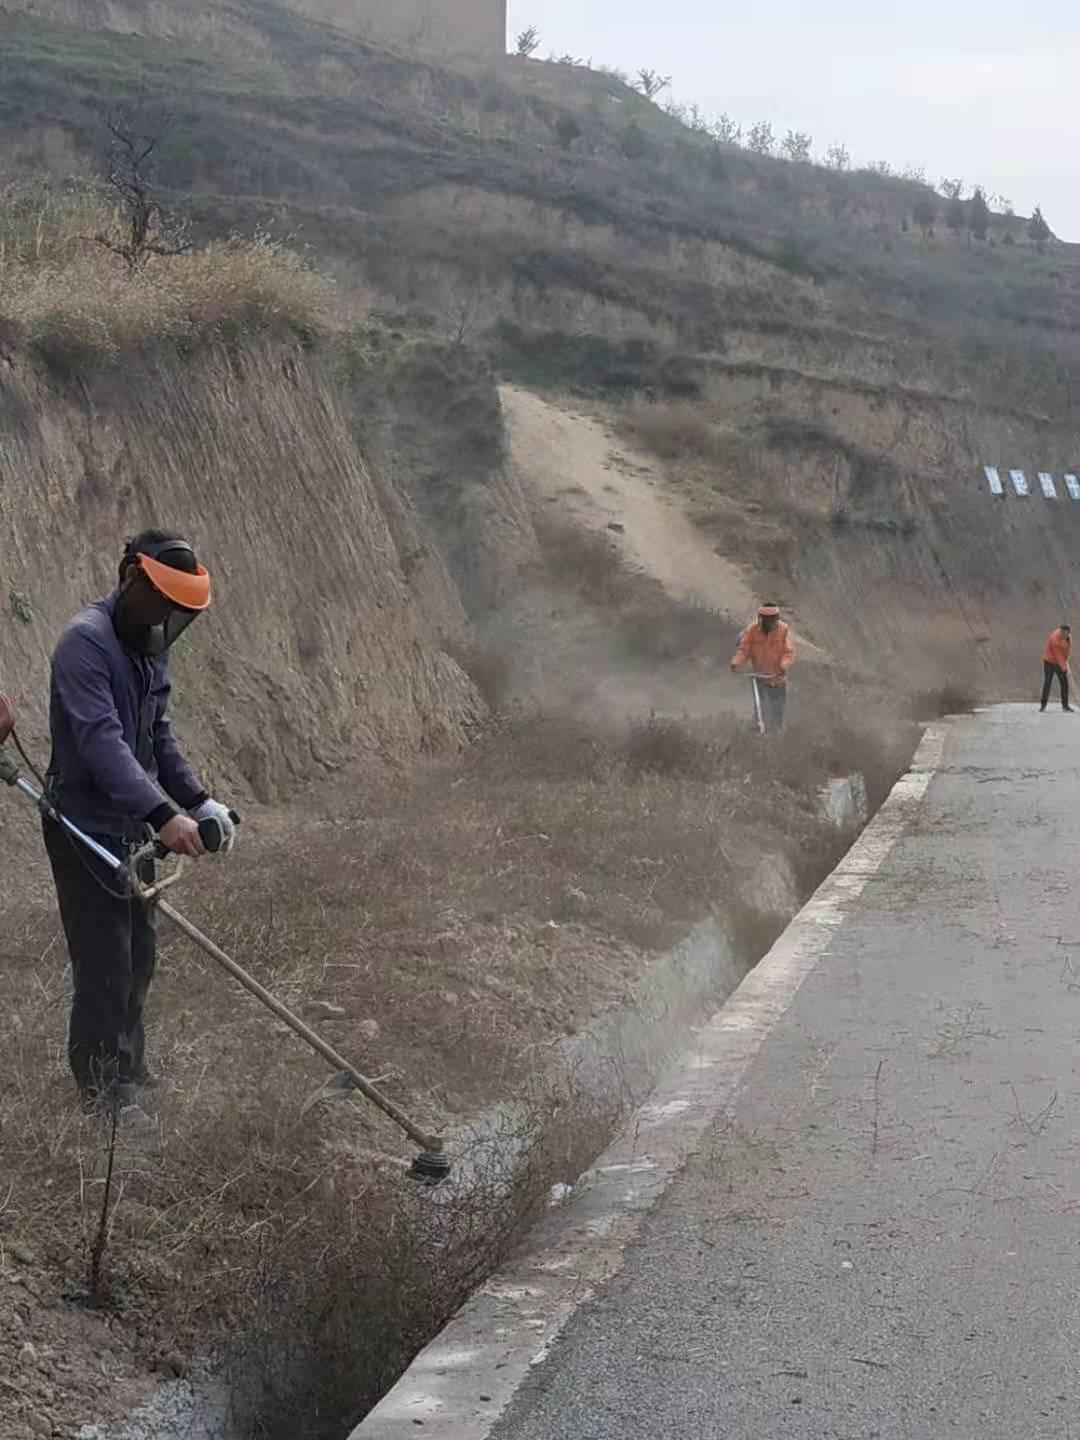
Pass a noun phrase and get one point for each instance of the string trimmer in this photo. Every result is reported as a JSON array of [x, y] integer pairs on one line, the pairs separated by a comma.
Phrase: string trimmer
[[432, 1164], [756, 681]]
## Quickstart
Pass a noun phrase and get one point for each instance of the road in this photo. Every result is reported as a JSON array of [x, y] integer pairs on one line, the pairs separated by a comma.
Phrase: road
[[878, 1232]]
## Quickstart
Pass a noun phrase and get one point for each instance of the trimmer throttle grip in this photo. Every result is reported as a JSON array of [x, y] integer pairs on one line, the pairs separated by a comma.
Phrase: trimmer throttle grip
[[211, 833]]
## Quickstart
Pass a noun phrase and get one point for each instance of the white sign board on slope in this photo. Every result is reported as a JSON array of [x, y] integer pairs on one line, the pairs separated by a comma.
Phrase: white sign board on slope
[[993, 480], [1020, 484], [1047, 483], [1072, 484]]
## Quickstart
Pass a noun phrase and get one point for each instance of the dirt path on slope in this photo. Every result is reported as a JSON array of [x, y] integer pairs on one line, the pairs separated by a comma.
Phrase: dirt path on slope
[[570, 460]]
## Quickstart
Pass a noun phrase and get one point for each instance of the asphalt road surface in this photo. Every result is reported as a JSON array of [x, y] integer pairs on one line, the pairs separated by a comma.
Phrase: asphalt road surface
[[881, 1235]]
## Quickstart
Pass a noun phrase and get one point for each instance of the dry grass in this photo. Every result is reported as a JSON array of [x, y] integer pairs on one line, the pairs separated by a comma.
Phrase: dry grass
[[74, 303], [38, 218], [87, 309]]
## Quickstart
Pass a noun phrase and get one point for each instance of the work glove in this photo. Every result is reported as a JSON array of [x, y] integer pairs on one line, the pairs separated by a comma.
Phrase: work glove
[[214, 810]]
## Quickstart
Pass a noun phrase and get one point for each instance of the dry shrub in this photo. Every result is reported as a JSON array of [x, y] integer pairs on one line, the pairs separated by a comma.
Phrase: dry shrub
[[672, 429], [657, 628], [540, 745], [584, 559], [953, 698], [341, 1295], [87, 308], [665, 745]]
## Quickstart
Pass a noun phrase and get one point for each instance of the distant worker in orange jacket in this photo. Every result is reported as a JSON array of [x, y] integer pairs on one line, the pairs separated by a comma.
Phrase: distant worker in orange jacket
[[767, 649], [1056, 662]]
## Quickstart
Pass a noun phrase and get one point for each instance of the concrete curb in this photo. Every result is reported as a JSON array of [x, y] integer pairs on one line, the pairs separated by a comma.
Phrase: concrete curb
[[465, 1379]]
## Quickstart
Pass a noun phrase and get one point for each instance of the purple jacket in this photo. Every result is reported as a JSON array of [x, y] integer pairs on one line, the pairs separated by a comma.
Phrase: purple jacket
[[115, 765]]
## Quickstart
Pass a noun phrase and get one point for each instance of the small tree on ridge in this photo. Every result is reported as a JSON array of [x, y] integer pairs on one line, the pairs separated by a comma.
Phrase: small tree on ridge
[[1038, 230], [651, 82], [527, 42], [796, 146], [978, 214], [761, 139]]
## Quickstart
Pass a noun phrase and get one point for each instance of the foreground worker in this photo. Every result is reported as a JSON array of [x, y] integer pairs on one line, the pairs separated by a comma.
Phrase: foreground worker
[[767, 651], [1056, 662], [117, 773]]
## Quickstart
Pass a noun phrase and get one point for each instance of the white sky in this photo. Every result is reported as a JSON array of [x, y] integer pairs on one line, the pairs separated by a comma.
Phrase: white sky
[[961, 87]]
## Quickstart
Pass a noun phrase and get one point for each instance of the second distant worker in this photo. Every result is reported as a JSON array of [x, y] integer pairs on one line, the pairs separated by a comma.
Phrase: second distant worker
[[766, 649], [1056, 662]]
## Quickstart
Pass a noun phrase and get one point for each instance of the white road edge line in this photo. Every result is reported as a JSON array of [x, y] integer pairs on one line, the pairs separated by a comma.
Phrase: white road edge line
[[463, 1382]]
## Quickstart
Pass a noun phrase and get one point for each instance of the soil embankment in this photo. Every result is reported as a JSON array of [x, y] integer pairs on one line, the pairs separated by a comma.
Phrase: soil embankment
[[324, 644]]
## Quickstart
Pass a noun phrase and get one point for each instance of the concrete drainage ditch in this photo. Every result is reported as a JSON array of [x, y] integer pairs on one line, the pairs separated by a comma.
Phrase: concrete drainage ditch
[[607, 1069]]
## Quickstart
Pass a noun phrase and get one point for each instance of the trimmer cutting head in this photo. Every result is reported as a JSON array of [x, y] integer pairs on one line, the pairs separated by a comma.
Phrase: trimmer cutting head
[[7, 718], [430, 1166]]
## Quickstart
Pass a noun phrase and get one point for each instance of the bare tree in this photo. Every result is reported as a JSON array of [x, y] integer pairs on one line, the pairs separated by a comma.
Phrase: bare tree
[[465, 313], [651, 82], [760, 139], [952, 189], [796, 146], [838, 157], [880, 167], [726, 132], [914, 172], [696, 120], [142, 229], [527, 42]]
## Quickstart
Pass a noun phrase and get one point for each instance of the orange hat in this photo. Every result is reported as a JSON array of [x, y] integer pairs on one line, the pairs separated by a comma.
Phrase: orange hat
[[188, 591], [768, 612]]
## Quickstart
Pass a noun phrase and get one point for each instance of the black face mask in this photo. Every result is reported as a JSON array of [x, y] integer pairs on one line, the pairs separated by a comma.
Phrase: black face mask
[[150, 641]]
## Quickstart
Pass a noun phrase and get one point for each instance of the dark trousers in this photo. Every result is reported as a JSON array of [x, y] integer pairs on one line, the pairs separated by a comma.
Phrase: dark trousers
[[773, 702], [1049, 671], [113, 952]]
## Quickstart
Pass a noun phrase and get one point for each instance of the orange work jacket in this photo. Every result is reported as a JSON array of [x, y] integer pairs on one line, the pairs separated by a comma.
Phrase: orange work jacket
[[767, 653], [1057, 650]]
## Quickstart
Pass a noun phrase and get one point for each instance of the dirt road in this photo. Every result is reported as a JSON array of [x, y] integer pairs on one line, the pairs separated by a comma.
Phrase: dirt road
[[571, 461]]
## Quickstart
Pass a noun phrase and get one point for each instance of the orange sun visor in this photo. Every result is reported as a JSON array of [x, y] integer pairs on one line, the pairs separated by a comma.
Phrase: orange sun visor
[[767, 612], [189, 592]]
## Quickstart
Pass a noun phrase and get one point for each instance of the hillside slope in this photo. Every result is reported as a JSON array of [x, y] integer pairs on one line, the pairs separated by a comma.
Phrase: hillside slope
[[436, 185], [324, 642]]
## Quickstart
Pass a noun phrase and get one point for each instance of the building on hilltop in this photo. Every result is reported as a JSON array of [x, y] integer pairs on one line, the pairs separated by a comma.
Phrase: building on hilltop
[[456, 27]]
